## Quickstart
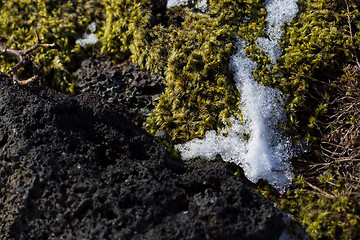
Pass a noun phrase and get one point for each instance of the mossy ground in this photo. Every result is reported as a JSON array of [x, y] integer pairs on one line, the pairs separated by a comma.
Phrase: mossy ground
[[59, 22], [191, 49]]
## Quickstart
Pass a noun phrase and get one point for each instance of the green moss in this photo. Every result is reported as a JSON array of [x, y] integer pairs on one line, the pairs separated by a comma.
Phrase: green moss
[[125, 22], [194, 56], [59, 22], [198, 91], [316, 46], [326, 214]]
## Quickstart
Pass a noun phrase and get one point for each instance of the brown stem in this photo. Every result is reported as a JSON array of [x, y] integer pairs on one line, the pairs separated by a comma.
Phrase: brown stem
[[22, 54], [350, 30], [319, 191]]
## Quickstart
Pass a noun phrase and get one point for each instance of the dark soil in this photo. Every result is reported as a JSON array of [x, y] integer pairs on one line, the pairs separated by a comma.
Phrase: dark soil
[[78, 168]]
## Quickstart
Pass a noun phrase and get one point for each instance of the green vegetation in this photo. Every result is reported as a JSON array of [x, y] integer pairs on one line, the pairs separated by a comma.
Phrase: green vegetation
[[325, 198], [126, 21], [199, 91], [195, 55], [318, 73], [323, 93], [329, 211], [59, 22], [316, 46]]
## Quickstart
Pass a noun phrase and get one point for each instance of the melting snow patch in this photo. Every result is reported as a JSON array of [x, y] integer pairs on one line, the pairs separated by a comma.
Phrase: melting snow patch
[[174, 3], [279, 13], [256, 143], [88, 38], [202, 6]]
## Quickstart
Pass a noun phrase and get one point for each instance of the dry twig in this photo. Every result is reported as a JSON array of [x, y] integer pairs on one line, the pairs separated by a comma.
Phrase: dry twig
[[350, 30], [23, 57], [320, 191]]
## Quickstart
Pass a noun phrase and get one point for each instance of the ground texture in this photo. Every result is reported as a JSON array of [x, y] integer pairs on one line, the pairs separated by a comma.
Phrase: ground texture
[[78, 168]]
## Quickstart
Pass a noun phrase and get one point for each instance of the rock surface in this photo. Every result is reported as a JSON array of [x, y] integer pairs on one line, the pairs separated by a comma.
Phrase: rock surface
[[78, 168], [125, 84]]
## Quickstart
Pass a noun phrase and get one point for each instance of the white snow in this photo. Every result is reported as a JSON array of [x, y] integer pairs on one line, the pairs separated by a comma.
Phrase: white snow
[[279, 13], [262, 154], [202, 5], [256, 143], [88, 38], [174, 3]]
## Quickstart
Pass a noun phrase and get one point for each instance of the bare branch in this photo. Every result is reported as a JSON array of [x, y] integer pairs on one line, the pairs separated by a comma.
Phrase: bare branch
[[22, 55]]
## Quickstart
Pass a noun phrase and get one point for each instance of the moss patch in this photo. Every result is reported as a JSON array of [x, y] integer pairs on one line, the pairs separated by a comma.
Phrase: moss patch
[[194, 55], [60, 22]]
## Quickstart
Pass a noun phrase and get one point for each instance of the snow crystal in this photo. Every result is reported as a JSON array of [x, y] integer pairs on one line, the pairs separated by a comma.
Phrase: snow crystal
[[256, 143], [88, 38], [92, 27]]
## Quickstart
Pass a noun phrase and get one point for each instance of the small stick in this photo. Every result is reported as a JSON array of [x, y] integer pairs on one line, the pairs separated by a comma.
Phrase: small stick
[[22, 54], [350, 29], [321, 192]]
